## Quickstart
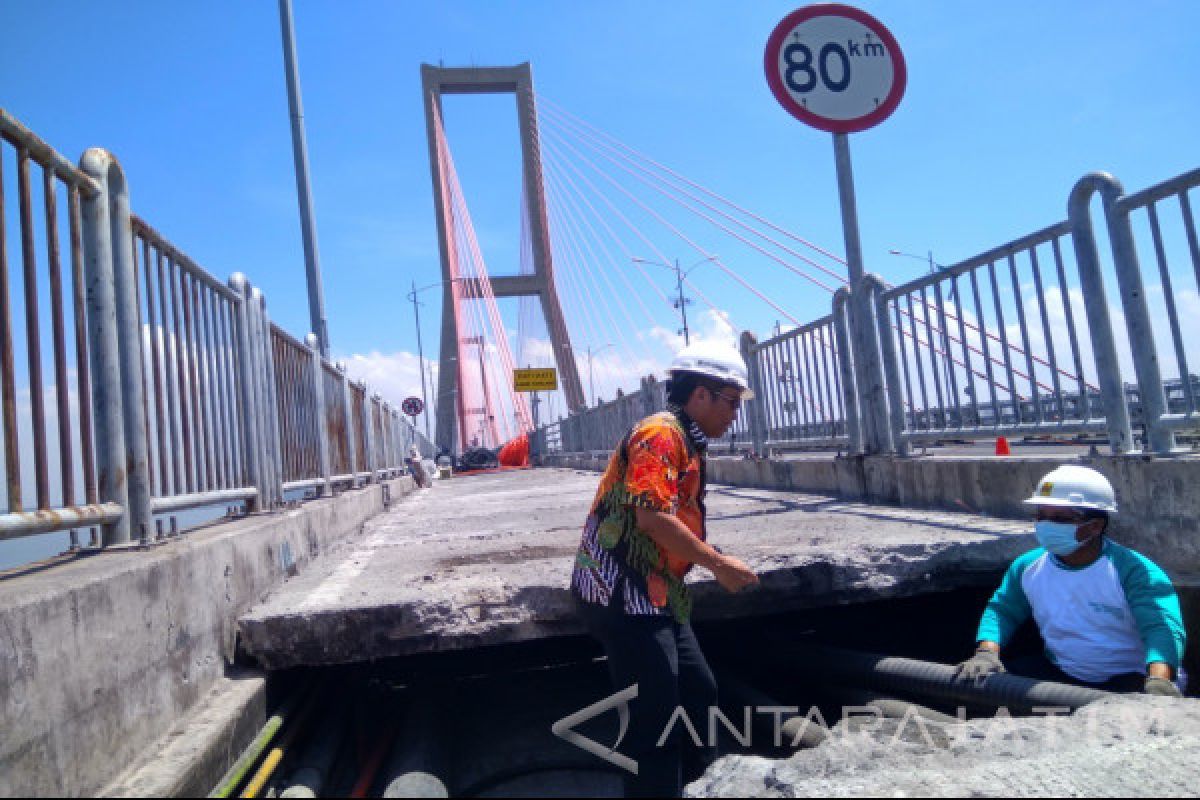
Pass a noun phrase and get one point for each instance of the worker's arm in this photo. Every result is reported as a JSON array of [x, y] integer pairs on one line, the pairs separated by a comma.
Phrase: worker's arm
[[669, 533], [1008, 608], [1155, 607]]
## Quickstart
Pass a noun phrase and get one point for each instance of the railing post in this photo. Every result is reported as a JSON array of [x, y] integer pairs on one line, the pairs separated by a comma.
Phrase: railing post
[[385, 431], [252, 449], [351, 439], [399, 432], [392, 419], [385, 455], [129, 339], [103, 167], [369, 434], [891, 366], [753, 406], [1095, 303], [1159, 437], [104, 349], [872, 397], [270, 395], [850, 395], [322, 413]]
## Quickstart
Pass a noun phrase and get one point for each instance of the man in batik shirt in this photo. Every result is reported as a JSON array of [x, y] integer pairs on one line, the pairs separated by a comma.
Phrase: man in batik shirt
[[645, 531]]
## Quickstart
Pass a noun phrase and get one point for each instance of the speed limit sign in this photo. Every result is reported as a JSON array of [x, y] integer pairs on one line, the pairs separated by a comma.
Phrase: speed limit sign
[[412, 406], [835, 68]]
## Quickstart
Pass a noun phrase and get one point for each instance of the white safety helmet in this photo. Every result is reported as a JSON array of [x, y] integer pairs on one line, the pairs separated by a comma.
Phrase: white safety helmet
[[714, 360], [1071, 486]]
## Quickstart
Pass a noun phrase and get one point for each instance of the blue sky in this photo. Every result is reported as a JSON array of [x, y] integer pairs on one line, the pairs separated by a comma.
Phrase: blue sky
[[1007, 106]]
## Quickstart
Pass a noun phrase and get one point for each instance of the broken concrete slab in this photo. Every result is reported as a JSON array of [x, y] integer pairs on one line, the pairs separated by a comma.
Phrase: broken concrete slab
[[1124, 746], [486, 560]]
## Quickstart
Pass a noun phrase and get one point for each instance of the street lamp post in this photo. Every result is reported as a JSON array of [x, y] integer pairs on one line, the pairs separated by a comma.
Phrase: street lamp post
[[928, 258], [412, 296], [420, 354], [308, 225], [681, 301], [591, 376]]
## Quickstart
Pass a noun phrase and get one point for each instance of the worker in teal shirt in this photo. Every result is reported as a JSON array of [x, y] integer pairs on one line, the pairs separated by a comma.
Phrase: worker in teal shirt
[[1109, 616]]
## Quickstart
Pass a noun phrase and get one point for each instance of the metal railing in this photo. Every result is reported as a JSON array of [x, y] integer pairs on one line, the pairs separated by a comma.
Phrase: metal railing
[[83, 498], [971, 350], [171, 390], [1019, 339], [193, 431], [797, 378], [1164, 212]]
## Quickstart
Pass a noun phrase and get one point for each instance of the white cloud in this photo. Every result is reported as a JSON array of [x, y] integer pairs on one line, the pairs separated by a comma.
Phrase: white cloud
[[712, 325]]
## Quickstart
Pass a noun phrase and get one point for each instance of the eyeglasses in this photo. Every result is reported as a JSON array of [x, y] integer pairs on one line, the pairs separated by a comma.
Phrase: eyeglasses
[[734, 402], [1058, 515]]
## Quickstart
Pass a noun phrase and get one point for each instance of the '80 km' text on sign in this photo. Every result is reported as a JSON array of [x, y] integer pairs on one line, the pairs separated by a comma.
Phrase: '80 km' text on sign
[[835, 68]]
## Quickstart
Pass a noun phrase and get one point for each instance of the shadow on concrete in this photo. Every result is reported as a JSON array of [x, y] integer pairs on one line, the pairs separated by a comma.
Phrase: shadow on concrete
[[837, 506]]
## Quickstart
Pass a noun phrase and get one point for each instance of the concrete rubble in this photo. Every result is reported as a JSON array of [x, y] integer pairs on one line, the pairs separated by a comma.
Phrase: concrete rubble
[[1125, 746], [496, 568]]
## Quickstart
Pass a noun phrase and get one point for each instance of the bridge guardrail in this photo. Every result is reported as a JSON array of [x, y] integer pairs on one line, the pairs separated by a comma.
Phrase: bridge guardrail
[[298, 409], [183, 393], [995, 345], [195, 452], [949, 375], [84, 498], [1170, 405], [797, 379]]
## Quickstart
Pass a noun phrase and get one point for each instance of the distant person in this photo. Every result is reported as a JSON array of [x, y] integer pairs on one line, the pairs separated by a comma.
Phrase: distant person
[[1109, 616], [417, 468], [645, 530]]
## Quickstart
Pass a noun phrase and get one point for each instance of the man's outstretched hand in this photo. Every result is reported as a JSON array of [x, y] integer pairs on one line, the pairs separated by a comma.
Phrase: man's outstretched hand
[[976, 668], [733, 574], [1161, 687]]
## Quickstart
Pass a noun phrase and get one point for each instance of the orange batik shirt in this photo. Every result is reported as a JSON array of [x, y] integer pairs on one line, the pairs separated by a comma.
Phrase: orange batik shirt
[[658, 465]]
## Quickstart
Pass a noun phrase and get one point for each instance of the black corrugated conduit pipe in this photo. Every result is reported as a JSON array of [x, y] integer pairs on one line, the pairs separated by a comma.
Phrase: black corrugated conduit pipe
[[935, 681]]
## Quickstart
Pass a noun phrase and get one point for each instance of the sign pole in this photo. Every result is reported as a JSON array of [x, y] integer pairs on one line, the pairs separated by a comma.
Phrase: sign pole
[[845, 179], [868, 364], [859, 312], [838, 69]]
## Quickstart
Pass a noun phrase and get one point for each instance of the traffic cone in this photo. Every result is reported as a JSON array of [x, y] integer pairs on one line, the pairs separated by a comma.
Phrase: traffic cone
[[1002, 448]]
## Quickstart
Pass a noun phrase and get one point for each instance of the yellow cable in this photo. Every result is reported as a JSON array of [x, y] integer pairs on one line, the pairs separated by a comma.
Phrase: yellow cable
[[264, 773]]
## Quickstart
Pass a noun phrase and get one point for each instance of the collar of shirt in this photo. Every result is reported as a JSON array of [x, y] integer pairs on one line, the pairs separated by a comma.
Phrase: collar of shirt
[[699, 440]]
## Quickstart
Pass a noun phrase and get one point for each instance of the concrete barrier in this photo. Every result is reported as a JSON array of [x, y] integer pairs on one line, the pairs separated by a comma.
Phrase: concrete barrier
[[1159, 497], [99, 657]]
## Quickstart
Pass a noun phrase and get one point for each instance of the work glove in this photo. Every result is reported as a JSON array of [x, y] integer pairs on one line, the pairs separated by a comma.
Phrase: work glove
[[1161, 687], [976, 668]]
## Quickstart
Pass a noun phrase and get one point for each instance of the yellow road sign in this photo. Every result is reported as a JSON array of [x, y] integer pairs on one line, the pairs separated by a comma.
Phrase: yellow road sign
[[535, 380]]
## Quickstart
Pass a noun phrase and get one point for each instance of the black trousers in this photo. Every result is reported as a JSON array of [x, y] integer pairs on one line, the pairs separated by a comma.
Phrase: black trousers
[[664, 659]]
